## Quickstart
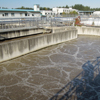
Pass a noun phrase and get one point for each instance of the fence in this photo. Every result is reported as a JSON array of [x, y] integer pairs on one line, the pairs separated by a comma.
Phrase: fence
[[11, 23], [7, 23], [83, 83], [90, 20], [68, 20]]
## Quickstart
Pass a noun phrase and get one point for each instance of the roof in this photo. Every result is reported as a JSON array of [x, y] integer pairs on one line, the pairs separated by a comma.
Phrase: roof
[[85, 11], [18, 10]]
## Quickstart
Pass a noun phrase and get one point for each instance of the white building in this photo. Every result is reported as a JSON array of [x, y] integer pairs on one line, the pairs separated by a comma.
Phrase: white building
[[48, 13], [36, 7], [15, 13], [61, 10], [57, 11]]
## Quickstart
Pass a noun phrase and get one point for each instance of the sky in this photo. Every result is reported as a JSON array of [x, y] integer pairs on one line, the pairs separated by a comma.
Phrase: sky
[[48, 3]]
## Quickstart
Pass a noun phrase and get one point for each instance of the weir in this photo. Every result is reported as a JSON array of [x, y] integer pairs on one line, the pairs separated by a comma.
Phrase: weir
[[12, 49], [20, 32], [18, 47], [88, 30]]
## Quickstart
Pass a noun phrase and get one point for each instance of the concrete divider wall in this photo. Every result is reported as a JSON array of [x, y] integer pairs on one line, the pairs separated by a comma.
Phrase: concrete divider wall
[[88, 30], [18, 33], [17, 48], [61, 29]]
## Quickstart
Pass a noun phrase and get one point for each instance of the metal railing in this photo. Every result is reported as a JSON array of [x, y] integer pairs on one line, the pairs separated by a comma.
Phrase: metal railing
[[75, 88], [90, 20], [12, 23]]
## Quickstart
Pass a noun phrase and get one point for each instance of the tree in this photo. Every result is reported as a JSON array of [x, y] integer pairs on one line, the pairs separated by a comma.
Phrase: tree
[[25, 8], [81, 7], [86, 8], [78, 6], [45, 8], [63, 6], [4, 8], [63, 14], [74, 12], [66, 6]]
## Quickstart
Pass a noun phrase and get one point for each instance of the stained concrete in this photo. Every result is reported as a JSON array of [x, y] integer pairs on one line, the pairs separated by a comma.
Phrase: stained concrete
[[39, 75]]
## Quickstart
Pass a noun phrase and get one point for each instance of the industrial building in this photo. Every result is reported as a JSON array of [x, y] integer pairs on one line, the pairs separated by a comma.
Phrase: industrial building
[[15, 13]]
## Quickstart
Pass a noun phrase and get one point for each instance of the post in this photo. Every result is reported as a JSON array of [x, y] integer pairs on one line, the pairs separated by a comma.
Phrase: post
[[37, 22], [51, 22], [19, 22]]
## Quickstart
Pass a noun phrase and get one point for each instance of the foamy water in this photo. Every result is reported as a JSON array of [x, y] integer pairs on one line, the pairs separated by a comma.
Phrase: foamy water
[[39, 75]]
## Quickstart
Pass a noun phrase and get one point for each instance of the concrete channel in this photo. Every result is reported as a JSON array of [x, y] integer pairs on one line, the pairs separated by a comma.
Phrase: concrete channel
[[15, 48]]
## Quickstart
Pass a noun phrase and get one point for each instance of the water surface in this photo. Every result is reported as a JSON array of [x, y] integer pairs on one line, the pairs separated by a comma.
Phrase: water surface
[[39, 75]]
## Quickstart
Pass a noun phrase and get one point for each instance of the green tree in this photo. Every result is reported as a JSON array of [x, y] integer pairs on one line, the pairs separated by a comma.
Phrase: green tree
[[81, 7], [59, 7], [25, 8], [78, 6], [63, 14], [66, 6], [86, 8], [45, 8], [74, 13]]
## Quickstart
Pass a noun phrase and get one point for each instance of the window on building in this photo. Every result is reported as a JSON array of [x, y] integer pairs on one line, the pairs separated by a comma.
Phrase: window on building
[[6, 14], [3, 14], [32, 14], [25, 14], [12, 14]]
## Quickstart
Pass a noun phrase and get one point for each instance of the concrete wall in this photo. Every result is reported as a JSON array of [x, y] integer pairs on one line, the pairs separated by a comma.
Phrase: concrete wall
[[88, 30], [17, 48], [7, 34], [61, 29]]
